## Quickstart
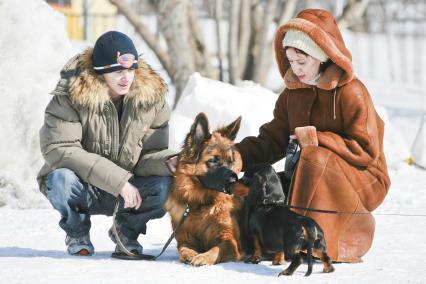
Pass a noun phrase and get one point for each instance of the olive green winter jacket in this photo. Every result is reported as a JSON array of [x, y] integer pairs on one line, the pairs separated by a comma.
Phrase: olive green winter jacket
[[82, 132]]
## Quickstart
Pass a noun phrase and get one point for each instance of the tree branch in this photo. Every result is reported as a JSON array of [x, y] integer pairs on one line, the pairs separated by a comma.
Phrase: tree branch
[[143, 31]]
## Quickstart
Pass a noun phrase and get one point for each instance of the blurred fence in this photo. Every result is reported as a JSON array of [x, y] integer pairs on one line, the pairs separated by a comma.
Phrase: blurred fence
[[397, 56], [396, 59]]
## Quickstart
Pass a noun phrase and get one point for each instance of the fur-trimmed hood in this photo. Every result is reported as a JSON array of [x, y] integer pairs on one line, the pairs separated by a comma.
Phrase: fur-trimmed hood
[[88, 89], [322, 28]]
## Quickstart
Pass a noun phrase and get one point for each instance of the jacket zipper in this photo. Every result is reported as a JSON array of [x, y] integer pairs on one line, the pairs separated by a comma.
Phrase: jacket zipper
[[124, 130], [115, 136]]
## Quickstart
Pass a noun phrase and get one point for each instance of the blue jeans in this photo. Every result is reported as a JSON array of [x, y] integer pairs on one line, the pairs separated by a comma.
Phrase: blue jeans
[[76, 200]]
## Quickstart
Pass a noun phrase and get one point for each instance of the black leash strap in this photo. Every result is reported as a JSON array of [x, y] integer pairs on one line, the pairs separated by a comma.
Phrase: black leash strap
[[184, 215], [319, 210], [128, 255], [351, 213]]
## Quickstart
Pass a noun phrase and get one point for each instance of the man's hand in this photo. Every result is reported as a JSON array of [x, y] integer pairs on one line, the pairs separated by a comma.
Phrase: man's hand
[[131, 196], [306, 136]]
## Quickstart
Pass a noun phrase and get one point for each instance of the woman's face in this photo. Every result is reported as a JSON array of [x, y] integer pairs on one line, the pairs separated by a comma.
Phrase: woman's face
[[119, 82], [305, 67]]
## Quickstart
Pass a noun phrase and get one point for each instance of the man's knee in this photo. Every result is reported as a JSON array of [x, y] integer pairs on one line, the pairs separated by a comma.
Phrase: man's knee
[[164, 185], [61, 184]]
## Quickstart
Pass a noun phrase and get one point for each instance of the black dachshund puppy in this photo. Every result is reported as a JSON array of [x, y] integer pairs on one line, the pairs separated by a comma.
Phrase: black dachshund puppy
[[275, 229]]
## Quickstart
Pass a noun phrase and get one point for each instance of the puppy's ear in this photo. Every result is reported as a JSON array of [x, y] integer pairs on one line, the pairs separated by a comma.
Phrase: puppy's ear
[[231, 130], [196, 137]]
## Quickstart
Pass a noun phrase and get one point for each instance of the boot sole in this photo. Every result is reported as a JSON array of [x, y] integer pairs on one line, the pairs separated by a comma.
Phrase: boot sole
[[83, 252]]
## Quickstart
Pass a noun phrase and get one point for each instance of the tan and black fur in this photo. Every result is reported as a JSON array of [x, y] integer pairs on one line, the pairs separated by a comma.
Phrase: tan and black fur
[[276, 230], [210, 234]]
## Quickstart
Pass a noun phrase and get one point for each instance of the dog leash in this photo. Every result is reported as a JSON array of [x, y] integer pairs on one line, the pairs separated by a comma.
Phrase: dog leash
[[184, 215], [132, 256], [351, 213]]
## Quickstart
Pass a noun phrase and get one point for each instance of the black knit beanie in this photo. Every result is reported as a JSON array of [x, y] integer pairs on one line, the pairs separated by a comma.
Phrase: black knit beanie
[[112, 52]]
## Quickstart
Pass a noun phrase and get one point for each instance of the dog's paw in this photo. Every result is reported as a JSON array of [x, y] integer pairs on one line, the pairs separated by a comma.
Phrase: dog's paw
[[252, 259], [203, 259], [328, 268], [186, 254], [278, 259], [285, 273]]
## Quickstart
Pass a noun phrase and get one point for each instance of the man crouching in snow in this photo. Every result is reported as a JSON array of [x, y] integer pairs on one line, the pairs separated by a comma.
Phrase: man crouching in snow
[[105, 135]]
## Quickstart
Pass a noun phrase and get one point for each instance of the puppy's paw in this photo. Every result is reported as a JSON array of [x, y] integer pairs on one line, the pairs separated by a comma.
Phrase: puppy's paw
[[278, 259], [253, 259], [285, 273], [328, 268]]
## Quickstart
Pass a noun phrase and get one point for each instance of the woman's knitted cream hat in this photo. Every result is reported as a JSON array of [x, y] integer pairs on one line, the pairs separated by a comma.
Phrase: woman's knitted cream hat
[[302, 41]]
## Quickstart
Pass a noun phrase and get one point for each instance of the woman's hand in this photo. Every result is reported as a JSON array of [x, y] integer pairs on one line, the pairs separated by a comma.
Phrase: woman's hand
[[306, 136], [131, 196]]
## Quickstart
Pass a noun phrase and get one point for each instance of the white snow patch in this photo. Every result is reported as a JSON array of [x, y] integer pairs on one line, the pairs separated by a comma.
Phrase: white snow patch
[[33, 48]]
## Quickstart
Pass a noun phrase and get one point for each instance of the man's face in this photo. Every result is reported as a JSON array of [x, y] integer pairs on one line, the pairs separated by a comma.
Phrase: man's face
[[119, 82]]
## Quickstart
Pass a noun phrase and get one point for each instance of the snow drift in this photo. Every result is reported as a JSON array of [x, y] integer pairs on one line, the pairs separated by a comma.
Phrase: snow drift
[[33, 48]]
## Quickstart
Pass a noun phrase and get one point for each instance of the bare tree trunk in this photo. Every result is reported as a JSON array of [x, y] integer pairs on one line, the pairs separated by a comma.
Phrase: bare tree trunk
[[201, 55], [175, 28], [264, 46], [143, 31], [233, 41], [288, 12], [256, 16], [353, 13], [217, 13], [244, 38]]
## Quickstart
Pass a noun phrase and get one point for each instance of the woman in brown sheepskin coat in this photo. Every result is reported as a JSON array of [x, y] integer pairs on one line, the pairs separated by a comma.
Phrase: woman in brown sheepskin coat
[[329, 111]]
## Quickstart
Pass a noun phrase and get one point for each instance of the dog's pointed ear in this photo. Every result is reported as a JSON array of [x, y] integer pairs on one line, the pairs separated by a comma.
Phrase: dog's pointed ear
[[198, 134], [232, 129], [200, 129]]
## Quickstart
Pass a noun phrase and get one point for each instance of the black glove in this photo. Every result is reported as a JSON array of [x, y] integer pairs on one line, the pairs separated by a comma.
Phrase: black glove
[[292, 157], [219, 179]]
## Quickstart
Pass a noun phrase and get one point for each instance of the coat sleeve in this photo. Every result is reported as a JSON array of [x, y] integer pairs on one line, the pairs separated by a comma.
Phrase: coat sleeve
[[271, 143], [152, 160], [60, 142], [359, 145]]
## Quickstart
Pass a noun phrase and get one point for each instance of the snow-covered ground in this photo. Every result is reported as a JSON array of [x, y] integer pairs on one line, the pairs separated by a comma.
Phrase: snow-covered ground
[[32, 248]]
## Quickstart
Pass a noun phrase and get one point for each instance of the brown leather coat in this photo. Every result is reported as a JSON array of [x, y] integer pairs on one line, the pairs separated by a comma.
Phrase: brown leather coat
[[347, 171]]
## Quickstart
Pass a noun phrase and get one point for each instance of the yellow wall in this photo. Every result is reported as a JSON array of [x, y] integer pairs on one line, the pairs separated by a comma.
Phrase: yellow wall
[[101, 18]]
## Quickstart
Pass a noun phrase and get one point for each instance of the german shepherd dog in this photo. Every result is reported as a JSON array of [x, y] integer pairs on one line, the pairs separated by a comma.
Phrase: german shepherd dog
[[210, 233], [276, 230]]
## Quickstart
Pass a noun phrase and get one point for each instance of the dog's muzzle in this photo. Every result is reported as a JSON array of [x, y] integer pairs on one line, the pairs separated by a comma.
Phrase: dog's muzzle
[[219, 179]]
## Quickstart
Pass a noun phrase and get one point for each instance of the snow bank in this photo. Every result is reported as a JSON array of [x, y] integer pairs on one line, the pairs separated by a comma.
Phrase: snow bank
[[33, 48], [222, 104], [395, 146]]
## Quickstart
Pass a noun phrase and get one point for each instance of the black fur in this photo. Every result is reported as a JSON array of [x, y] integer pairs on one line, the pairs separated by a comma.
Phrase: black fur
[[276, 227]]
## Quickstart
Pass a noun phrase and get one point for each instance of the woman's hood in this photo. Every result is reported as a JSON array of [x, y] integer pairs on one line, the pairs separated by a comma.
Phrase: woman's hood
[[322, 28]]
